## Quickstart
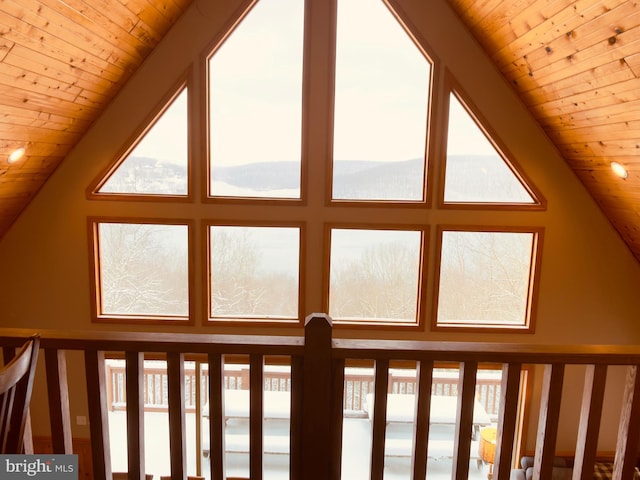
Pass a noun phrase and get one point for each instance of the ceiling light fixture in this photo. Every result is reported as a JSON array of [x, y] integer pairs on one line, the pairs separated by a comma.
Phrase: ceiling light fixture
[[16, 155], [619, 170]]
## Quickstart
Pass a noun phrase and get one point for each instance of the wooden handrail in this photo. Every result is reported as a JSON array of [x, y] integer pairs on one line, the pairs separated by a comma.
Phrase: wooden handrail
[[317, 389]]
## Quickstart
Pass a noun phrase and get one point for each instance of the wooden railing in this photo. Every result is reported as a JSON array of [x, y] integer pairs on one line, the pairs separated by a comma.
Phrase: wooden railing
[[317, 387], [154, 383], [357, 384]]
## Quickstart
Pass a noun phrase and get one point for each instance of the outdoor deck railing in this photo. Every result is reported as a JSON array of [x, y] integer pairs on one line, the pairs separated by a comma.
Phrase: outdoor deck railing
[[357, 385], [317, 363]]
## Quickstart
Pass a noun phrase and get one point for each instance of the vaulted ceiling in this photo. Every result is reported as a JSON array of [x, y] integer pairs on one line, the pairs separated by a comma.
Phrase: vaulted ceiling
[[575, 64]]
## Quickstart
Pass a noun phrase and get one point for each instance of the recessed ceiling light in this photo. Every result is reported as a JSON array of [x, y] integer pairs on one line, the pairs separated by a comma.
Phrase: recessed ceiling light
[[619, 170], [16, 155]]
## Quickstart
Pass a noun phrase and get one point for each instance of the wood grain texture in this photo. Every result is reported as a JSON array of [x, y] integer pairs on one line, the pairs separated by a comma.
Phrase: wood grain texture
[[61, 63], [576, 66]]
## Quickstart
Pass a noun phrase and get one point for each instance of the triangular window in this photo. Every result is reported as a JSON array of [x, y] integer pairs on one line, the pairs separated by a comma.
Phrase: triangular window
[[382, 85], [157, 164], [476, 171]]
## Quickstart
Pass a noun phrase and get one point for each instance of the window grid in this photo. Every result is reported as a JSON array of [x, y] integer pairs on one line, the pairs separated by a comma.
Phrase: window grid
[[316, 208]]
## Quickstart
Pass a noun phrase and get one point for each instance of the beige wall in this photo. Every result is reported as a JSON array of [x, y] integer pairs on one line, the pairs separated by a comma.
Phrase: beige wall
[[589, 284]]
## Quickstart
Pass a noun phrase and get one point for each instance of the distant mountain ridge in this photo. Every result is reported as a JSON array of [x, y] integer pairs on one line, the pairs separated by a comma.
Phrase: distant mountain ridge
[[467, 176]]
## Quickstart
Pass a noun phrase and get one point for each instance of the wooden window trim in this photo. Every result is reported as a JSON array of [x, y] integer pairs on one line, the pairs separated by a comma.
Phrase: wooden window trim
[[533, 281], [372, 324], [95, 281], [253, 322]]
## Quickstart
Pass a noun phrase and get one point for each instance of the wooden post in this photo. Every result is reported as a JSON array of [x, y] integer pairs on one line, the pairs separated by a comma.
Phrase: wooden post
[[316, 407], [464, 422], [197, 385], [177, 433], [216, 416], [135, 415], [378, 430], [423, 411], [256, 415], [295, 445]]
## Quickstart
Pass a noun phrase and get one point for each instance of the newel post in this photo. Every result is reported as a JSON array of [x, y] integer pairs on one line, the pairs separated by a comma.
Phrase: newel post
[[316, 395]]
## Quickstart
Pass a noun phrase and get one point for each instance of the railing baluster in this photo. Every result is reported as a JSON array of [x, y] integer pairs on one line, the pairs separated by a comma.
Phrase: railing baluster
[[147, 389], [629, 429], [548, 420], [464, 423], [590, 415], [423, 411], [197, 407], [507, 419], [177, 434], [58, 394], [381, 387], [295, 441], [98, 414], [135, 414], [337, 417], [216, 416], [256, 406]]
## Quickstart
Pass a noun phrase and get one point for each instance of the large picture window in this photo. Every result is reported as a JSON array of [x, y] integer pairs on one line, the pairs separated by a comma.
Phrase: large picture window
[[327, 156], [375, 275], [255, 111], [254, 273], [142, 271], [486, 278], [381, 107]]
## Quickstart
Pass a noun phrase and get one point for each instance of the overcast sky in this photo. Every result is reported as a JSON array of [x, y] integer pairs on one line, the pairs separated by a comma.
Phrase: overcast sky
[[381, 92]]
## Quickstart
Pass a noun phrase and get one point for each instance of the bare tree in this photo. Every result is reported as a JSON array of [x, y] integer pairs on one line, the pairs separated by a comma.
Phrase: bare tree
[[143, 270], [382, 283], [240, 285], [484, 277]]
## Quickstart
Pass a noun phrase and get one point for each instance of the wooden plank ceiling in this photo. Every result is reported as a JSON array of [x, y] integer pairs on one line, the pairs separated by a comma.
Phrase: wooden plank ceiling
[[575, 64], [61, 62]]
